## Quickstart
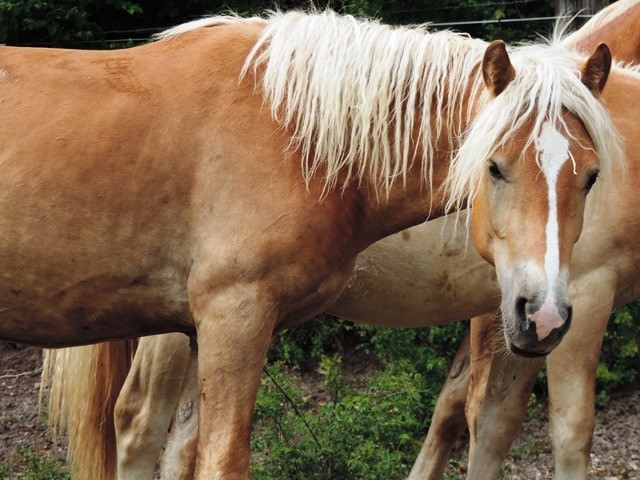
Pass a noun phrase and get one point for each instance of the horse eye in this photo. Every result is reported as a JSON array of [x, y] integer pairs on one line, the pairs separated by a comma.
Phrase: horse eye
[[494, 170], [593, 176]]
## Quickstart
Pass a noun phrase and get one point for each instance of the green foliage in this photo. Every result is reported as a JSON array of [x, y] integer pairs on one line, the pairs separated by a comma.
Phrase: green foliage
[[619, 364], [427, 348], [30, 465], [372, 427], [333, 376], [304, 345], [364, 8], [5, 470], [368, 428], [109, 23], [469, 16], [61, 22], [371, 432]]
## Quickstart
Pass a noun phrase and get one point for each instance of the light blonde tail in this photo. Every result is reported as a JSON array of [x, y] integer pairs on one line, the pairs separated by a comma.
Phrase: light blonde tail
[[84, 383]]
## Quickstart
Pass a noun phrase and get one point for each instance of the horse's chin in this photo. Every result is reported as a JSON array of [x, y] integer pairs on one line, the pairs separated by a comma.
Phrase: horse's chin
[[522, 340], [525, 353]]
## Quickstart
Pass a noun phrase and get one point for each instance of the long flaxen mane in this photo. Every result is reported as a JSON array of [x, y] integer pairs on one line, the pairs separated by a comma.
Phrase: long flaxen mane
[[354, 92]]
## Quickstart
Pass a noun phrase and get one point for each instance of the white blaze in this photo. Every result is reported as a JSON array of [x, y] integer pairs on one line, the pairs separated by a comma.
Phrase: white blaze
[[554, 152]]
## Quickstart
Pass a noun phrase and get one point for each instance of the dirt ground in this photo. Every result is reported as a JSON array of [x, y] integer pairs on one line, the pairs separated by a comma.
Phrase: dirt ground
[[616, 445], [20, 421], [615, 451]]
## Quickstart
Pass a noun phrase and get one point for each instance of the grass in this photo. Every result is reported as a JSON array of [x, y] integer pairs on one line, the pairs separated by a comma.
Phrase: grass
[[28, 464]]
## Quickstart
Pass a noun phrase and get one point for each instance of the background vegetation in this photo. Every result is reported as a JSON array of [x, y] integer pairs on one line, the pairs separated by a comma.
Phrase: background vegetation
[[102, 23], [377, 390], [338, 401]]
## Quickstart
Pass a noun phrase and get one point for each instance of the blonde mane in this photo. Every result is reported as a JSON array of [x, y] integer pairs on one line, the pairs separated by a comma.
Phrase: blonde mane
[[355, 93], [206, 22], [628, 68]]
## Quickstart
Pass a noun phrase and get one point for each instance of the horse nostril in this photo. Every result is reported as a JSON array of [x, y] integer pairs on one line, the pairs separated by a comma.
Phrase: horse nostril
[[521, 305], [521, 313], [567, 323]]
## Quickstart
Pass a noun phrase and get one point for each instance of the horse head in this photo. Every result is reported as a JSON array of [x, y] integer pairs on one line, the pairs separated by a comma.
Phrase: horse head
[[529, 206]]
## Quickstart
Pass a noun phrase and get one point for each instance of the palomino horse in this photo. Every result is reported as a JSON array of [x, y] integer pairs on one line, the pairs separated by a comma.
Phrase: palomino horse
[[454, 284], [222, 181], [499, 384]]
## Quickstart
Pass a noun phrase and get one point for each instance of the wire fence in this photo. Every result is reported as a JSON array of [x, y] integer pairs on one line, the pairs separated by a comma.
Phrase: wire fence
[[143, 35]]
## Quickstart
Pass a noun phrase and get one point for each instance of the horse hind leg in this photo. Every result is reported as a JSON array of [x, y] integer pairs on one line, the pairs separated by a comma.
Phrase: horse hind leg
[[497, 401], [147, 402], [448, 421], [179, 457]]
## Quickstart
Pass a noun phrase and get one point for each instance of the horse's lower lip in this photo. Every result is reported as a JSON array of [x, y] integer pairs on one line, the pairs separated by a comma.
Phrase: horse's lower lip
[[525, 353]]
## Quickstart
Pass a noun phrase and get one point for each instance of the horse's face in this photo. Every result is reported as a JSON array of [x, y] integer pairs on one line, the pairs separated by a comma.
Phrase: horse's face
[[527, 216], [545, 198]]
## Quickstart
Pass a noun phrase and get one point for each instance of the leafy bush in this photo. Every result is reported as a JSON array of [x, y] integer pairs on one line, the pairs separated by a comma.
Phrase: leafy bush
[[370, 432], [619, 364], [372, 428], [303, 346], [365, 429]]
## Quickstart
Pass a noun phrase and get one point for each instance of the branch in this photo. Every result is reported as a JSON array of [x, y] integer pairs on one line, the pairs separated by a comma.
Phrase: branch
[[37, 371]]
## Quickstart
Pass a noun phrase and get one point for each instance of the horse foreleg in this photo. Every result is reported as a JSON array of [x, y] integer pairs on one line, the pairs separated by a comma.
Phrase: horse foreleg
[[179, 458], [147, 402], [234, 332], [571, 374], [448, 421], [498, 395]]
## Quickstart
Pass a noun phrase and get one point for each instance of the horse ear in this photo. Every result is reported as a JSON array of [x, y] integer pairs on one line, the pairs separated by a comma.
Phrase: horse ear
[[596, 71], [497, 70]]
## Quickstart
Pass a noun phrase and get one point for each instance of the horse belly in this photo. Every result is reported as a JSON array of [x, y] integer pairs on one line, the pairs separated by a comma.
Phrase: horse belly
[[93, 310], [424, 276], [85, 265]]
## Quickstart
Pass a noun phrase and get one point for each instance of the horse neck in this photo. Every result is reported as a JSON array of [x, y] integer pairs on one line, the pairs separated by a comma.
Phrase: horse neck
[[621, 96], [418, 199], [621, 34]]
